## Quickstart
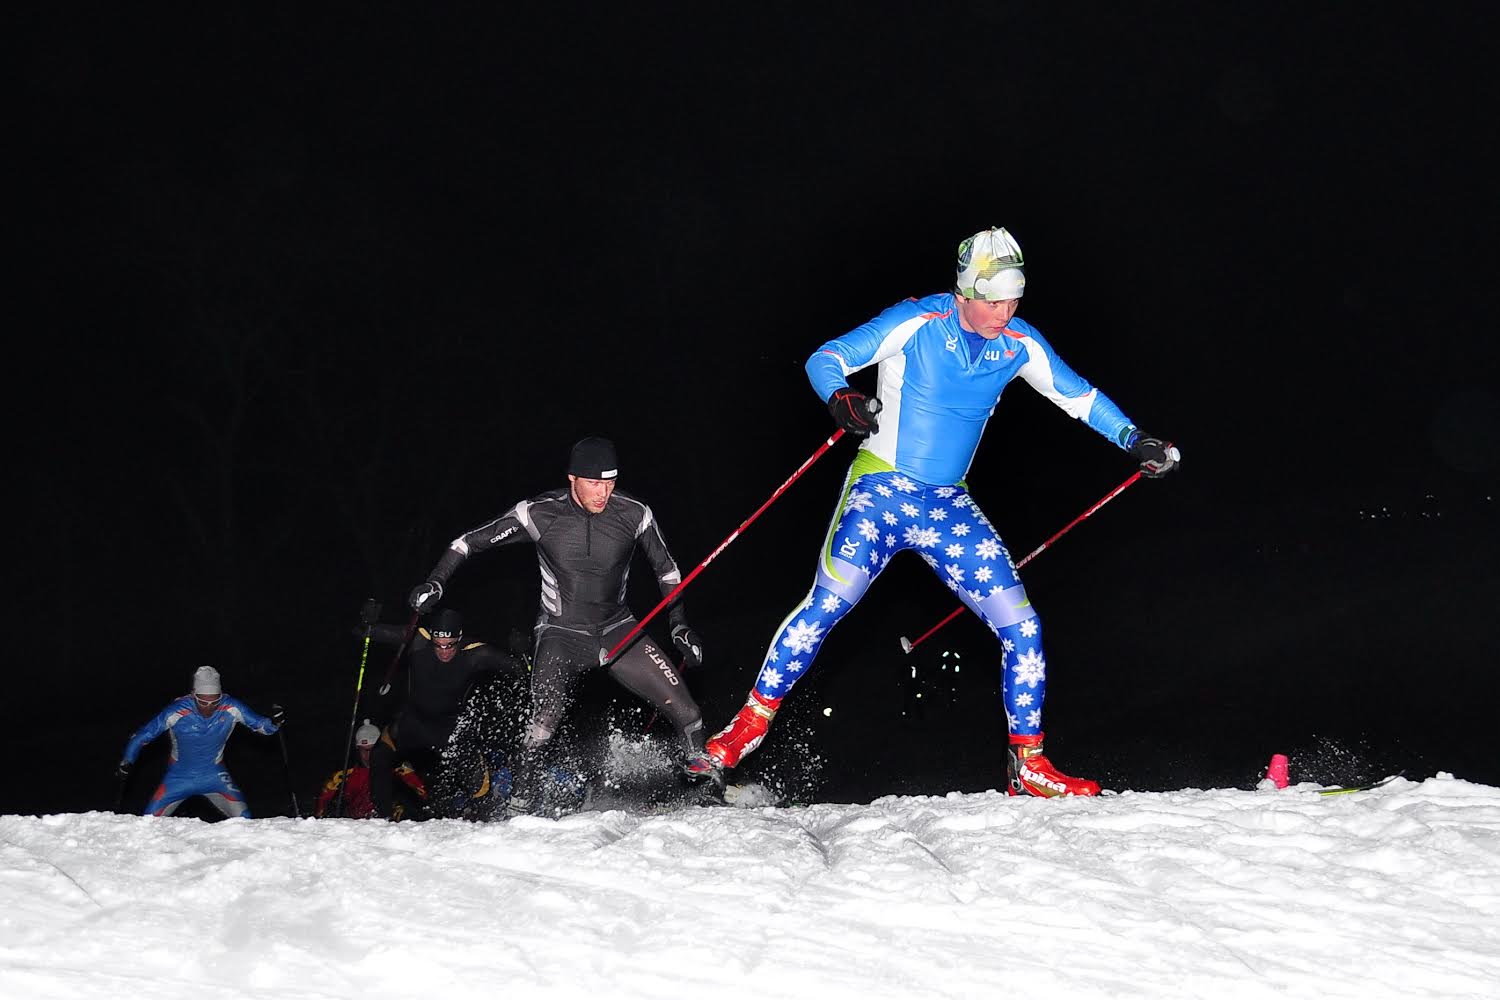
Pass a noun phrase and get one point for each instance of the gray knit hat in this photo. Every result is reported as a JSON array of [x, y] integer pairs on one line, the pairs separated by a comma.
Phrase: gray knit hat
[[206, 681]]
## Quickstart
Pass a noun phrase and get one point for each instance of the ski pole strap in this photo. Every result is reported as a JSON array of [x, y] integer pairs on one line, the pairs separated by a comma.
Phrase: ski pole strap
[[672, 596]]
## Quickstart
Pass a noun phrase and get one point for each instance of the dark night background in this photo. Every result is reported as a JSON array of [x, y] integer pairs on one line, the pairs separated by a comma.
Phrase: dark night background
[[306, 291]]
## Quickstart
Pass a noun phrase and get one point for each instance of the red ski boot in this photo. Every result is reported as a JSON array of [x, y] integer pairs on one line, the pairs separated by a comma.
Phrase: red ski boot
[[1031, 773], [744, 732]]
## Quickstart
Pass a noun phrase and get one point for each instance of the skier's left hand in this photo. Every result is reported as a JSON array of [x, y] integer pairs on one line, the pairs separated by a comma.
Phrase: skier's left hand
[[278, 716], [688, 644], [1157, 457]]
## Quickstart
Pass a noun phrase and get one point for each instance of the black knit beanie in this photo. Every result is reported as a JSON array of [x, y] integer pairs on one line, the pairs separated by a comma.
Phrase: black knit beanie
[[594, 458]]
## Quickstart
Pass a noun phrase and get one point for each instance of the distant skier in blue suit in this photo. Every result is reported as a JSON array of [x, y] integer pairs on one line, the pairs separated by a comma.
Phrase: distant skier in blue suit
[[199, 725]]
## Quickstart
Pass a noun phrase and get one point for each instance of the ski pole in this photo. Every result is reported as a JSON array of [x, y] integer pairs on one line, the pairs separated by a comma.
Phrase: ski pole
[[369, 615], [832, 440], [359, 683], [911, 644], [390, 675], [286, 765], [390, 671]]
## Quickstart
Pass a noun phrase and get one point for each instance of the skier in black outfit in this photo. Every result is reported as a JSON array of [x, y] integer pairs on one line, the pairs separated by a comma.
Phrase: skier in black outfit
[[441, 668], [585, 535]]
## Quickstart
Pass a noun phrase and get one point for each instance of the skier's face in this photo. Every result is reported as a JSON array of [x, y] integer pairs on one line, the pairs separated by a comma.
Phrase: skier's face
[[207, 703], [988, 319], [592, 494], [446, 648]]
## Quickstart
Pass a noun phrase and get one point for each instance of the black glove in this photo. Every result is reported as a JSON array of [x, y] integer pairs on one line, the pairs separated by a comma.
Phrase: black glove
[[854, 411], [425, 595], [688, 644], [122, 769], [278, 716], [1157, 457]]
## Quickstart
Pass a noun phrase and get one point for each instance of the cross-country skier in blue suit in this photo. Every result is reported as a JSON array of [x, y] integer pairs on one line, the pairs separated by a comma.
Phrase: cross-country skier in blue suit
[[943, 362], [199, 725]]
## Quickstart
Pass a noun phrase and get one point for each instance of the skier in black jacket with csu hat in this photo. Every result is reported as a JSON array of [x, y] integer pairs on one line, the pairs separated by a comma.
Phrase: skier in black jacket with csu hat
[[424, 706], [585, 535]]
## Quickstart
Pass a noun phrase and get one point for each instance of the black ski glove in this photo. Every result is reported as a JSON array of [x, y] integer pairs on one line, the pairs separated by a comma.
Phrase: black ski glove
[[425, 595], [278, 716], [1157, 457], [689, 645], [854, 411], [122, 769]]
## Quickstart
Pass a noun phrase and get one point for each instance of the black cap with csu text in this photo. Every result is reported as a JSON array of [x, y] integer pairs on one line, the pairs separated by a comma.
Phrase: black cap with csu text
[[594, 458], [446, 624]]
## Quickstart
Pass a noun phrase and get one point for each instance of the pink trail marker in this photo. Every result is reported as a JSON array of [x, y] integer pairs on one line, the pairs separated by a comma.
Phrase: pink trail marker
[[1276, 770]]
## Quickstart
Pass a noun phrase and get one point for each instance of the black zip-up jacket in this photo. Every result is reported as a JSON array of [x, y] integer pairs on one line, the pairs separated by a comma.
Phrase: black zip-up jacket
[[584, 558], [425, 708]]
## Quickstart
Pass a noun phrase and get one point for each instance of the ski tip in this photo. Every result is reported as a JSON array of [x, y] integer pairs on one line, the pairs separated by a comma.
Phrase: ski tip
[[1364, 787], [905, 644]]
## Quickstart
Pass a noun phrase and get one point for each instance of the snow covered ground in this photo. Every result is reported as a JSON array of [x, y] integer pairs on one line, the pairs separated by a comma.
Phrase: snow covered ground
[[1221, 893]]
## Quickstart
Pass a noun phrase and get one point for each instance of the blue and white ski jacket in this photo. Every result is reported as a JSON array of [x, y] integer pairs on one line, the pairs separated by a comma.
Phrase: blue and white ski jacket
[[197, 742], [936, 396]]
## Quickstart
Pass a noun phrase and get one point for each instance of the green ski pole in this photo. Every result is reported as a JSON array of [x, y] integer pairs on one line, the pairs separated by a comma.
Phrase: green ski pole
[[369, 614]]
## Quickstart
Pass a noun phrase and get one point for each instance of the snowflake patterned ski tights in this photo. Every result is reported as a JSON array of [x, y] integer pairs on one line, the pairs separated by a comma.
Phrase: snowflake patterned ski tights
[[882, 513]]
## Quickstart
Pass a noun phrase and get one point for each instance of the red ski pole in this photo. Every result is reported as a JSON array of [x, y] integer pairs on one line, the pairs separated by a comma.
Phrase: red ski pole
[[910, 644], [610, 655]]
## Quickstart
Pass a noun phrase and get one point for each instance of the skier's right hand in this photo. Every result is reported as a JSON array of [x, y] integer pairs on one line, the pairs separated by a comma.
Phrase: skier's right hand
[[425, 595], [854, 411], [122, 770]]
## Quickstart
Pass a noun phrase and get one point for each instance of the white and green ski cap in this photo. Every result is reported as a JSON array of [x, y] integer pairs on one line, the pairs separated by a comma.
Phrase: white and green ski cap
[[990, 266]]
